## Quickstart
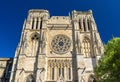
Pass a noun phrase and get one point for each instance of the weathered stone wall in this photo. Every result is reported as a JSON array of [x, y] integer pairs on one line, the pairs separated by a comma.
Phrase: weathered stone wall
[[5, 69]]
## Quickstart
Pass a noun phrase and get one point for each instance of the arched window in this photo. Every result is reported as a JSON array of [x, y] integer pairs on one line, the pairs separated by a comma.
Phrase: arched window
[[80, 24], [84, 25], [69, 73], [86, 47], [33, 21], [30, 78], [63, 72], [59, 71], [52, 73]]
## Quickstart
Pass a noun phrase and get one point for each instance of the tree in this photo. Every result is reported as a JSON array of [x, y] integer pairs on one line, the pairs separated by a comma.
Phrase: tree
[[108, 68]]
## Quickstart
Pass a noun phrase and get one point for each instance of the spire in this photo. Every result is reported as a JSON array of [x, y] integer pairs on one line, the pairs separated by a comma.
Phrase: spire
[[69, 15]]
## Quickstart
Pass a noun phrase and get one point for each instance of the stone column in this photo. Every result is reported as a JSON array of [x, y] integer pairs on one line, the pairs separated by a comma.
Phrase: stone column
[[39, 21], [43, 45], [66, 74], [36, 48], [33, 48], [82, 25], [31, 22], [48, 73], [76, 25], [35, 21], [86, 24], [55, 73], [71, 73]]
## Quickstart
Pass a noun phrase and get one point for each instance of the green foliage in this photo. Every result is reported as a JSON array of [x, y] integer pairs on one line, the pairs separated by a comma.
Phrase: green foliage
[[108, 68]]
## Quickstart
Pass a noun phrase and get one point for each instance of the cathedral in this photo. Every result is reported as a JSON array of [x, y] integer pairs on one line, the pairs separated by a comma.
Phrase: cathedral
[[57, 48]]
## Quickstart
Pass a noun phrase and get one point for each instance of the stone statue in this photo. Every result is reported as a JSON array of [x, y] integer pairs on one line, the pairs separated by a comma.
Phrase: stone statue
[[41, 74]]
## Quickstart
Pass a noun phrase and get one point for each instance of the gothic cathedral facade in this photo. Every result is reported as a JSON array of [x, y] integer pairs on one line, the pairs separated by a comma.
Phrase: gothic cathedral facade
[[57, 48]]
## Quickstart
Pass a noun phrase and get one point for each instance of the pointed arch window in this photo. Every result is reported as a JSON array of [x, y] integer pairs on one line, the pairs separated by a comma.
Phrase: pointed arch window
[[80, 24], [34, 43], [69, 73], [86, 47], [52, 73], [63, 72], [33, 23], [84, 25], [59, 71]]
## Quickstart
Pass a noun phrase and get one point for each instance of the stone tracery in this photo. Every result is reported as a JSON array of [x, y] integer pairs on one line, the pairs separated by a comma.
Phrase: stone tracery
[[62, 67]]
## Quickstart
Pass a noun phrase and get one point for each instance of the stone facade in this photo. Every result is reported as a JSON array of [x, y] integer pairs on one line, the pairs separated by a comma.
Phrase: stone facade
[[57, 48], [5, 69]]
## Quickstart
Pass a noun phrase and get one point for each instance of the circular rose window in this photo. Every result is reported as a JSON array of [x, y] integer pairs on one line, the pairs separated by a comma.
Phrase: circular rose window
[[60, 44]]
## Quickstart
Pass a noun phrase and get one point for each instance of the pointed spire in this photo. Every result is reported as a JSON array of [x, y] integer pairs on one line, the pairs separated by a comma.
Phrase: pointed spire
[[69, 15]]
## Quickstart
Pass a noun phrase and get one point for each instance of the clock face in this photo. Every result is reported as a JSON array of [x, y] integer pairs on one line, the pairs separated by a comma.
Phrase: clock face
[[61, 44]]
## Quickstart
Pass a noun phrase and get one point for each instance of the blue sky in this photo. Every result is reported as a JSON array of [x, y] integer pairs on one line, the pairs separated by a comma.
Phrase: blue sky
[[13, 13]]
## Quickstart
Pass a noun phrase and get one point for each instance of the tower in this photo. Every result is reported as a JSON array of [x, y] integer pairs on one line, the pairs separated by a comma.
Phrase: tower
[[57, 48]]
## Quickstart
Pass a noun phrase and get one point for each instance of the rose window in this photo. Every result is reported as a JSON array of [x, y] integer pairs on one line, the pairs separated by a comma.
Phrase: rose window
[[60, 44]]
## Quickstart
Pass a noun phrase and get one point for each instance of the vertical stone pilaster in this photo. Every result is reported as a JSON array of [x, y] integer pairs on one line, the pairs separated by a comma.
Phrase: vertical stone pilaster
[[86, 24], [82, 24], [71, 73], [48, 73], [35, 21], [31, 22], [66, 74], [39, 21], [55, 73]]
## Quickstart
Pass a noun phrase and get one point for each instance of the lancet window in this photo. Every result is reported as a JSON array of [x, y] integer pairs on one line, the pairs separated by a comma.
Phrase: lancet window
[[36, 23], [84, 25], [59, 71], [80, 27], [63, 72], [52, 73], [34, 43], [33, 23], [69, 73]]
